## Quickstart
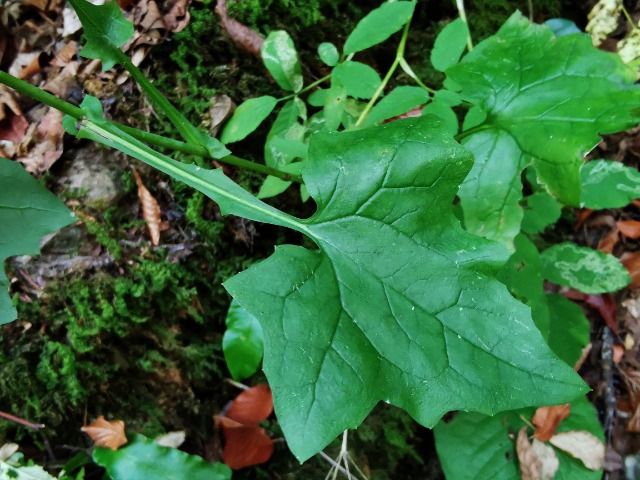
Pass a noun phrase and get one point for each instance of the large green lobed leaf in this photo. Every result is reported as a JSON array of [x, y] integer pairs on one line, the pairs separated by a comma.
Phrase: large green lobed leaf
[[28, 212], [399, 304], [547, 99]]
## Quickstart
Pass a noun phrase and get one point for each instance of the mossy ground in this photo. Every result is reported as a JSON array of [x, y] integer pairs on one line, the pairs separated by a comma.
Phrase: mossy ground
[[140, 339]]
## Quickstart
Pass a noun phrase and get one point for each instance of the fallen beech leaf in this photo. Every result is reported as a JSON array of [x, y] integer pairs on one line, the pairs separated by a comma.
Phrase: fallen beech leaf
[[582, 445], [177, 18], [150, 210], [547, 419], [42, 146], [629, 228], [59, 84], [221, 109], [245, 38], [13, 129], [631, 261], [252, 406], [106, 434], [7, 99], [245, 445], [548, 459]]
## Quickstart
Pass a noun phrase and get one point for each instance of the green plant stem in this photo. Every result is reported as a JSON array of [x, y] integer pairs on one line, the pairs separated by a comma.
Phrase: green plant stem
[[387, 77], [307, 88], [471, 131], [151, 138], [633, 24], [409, 71]]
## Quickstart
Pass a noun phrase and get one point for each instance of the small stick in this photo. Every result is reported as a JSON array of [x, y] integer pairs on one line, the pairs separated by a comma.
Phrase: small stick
[[21, 421]]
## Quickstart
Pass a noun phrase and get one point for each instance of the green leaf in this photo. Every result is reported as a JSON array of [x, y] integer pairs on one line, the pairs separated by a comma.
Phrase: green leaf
[[286, 126], [143, 459], [569, 329], [30, 472], [541, 210], [399, 100], [28, 212], [358, 79], [584, 269], [553, 96], [522, 275], [242, 343], [399, 303], [379, 25], [272, 186], [328, 54], [334, 104], [607, 184], [106, 29], [490, 195], [478, 447], [474, 117], [318, 97], [447, 97], [444, 113], [281, 59], [449, 45], [247, 118]]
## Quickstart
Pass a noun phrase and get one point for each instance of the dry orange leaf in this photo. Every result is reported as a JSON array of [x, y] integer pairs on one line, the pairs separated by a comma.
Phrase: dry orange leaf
[[252, 406], [609, 241], [547, 419], [629, 228], [245, 445], [106, 434], [150, 210]]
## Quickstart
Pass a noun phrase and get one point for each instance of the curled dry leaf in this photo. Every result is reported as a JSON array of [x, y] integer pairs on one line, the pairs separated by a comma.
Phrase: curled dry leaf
[[629, 228], [245, 38], [252, 406], [150, 210], [605, 304], [106, 434], [65, 55], [582, 445], [609, 241], [547, 420], [548, 460], [221, 109], [172, 439], [8, 100]]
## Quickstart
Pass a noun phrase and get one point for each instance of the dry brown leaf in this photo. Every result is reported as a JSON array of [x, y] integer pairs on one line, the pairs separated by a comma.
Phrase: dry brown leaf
[[177, 18], [13, 129], [245, 38], [618, 353], [221, 108], [547, 420], [548, 460], [150, 210], [106, 434], [244, 445], [582, 445], [59, 84], [7, 99], [42, 145], [252, 406], [65, 55], [631, 261], [530, 464], [629, 228], [172, 439], [609, 241]]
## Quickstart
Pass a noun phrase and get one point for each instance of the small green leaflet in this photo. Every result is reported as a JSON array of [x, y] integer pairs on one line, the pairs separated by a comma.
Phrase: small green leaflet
[[399, 304], [584, 269], [105, 28], [449, 45], [550, 98], [334, 104], [28, 212], [247, 118], [272, 186], [242, 342], [379, 25], [144, 459], [608, 184], [328, 53], [281, 59], [399, 100], [358, 79], [443, 112], [478, 447]]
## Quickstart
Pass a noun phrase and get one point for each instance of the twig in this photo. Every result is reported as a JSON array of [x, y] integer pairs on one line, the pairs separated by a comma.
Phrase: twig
[[610, 402], [22, 421]]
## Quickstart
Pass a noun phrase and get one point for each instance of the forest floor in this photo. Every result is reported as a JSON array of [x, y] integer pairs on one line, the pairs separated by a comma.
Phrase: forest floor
[[112, 325]]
